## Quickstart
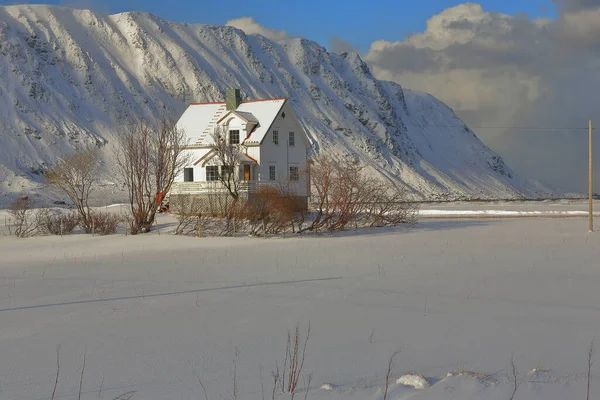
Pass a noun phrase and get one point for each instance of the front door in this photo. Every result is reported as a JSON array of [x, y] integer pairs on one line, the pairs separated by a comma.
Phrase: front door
[[246, 172]]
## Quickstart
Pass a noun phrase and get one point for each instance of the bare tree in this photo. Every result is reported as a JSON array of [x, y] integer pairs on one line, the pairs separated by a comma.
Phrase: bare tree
[[76, 177], [229, 156], [322, 175], [149, 159], [390, 205], [343, 195]]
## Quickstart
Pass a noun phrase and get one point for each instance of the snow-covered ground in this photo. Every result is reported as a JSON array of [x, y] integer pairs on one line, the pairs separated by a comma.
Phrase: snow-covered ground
[[152, 313], [509, 209]]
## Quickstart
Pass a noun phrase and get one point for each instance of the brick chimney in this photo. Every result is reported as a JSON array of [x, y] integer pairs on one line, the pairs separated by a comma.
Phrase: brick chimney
[[233, 99]]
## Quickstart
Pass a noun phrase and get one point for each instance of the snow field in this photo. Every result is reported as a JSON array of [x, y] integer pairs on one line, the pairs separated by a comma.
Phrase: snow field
[[151, 313]]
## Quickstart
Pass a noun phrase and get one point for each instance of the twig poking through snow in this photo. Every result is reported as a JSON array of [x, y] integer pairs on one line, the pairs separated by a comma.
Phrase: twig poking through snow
[[514, 377], [262, 386], [81, 378], [590, 363], [57, 371], [390, 369], [199, 381], [307, 381]]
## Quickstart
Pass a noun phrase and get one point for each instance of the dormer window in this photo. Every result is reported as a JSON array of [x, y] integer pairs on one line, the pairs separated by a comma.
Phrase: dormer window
[[234, 137]]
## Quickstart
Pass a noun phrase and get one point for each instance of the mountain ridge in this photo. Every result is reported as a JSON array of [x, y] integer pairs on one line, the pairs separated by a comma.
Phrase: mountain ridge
[[71, 78]]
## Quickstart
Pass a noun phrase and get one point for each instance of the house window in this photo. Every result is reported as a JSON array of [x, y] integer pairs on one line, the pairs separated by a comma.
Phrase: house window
[[188, 174], [294, 174], [292, 140], [275, 138], [225, 170], [234, 137], [212, 173], [272, 175]]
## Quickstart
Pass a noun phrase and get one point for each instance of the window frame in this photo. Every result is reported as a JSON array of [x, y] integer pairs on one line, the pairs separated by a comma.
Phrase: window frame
[[212, 176], [275, 138], [292, 139], [236, 131], [187, 174], [272, 173], [294, 172]]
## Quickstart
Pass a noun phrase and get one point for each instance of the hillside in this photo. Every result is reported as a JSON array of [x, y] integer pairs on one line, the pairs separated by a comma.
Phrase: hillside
[[71, 78]]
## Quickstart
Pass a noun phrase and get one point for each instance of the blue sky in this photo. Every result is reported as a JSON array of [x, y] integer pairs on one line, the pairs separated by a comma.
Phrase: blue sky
[[358, 22]]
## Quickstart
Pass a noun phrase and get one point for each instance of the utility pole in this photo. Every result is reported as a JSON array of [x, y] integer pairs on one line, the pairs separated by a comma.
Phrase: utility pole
[[591, 180]]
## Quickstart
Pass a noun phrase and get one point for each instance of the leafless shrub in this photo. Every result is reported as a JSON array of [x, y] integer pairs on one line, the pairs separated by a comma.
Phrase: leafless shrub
[[295, 354], [149, 159], [57, 224], [293, 205], [24, 223], [271, 211], [104, 223], [390, 369], [388, 206], [76, 177], [189, 211], [342, 195]]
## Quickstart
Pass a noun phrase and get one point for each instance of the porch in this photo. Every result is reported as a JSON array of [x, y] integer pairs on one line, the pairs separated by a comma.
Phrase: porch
[[249, 186]]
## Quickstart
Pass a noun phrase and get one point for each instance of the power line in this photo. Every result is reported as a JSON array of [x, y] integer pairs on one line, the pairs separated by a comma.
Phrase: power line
[[516, 128]]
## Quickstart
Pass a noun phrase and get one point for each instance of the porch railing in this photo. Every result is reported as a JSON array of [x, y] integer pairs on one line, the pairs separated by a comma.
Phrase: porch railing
[[213, 187]]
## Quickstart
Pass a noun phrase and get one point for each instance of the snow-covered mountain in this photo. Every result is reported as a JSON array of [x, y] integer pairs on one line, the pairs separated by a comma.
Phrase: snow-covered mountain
[[71, 78]]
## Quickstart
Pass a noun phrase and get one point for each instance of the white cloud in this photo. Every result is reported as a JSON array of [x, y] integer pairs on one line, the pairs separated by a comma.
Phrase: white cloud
[[496, 69], [577, 4], [501, 70], [251, 27], [338, 45]]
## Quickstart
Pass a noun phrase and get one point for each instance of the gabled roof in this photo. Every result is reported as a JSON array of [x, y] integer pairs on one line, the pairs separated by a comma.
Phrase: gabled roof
[[246, 116], [200, 119], [211, 154]]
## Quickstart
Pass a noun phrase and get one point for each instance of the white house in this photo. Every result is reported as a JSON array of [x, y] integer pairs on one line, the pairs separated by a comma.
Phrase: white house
[[275, 145]]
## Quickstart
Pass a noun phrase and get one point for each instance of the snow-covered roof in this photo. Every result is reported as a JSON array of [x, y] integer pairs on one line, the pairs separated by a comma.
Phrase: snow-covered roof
[[248, 117], [211, 154], [200, 119]]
